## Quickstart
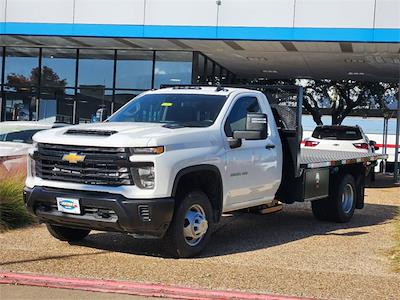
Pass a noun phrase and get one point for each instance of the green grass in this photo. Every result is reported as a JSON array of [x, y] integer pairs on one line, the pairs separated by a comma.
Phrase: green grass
[[395, 253], [13, 213]]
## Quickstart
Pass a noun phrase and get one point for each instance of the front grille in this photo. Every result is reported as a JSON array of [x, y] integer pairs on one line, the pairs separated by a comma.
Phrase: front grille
[[100, 166], [95, 212]]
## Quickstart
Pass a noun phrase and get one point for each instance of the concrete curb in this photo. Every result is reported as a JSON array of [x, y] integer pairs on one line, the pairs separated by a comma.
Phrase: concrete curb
[[131, 288]]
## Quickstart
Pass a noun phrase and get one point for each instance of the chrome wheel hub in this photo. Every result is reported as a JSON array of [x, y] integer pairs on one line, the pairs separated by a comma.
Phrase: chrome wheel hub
[[195, 225], [347, 198]]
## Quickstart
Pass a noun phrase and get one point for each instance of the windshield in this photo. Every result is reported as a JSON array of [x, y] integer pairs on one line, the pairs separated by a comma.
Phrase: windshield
[[181, 109], [23, 136], [337, 133]]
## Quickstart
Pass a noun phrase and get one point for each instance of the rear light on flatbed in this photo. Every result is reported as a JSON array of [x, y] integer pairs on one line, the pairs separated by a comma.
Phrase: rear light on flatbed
[[361, 146], [311, 143]]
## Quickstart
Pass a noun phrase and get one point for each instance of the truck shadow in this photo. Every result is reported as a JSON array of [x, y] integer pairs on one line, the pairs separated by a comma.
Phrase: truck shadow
[[383, 181], [248, 232]]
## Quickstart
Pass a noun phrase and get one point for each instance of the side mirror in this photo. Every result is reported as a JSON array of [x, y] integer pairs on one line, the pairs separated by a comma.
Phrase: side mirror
[[373, 144], [256, 128], [234, 143]]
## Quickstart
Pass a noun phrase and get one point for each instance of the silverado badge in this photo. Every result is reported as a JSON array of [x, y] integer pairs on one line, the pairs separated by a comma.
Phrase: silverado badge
[[73, 158]]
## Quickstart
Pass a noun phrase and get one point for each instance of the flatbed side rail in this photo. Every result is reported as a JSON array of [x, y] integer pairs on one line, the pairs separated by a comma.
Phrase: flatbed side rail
[[316, 160]]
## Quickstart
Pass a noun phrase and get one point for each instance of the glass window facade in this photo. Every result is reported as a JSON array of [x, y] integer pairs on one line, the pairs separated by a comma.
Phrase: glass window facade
[[57, 105], [173, 68], [96, 67], [87, 85], [21, 79], [207, 71], [200, 62], [134, 69], [1, 65], [58, 67], [21, 67], [93, 104]]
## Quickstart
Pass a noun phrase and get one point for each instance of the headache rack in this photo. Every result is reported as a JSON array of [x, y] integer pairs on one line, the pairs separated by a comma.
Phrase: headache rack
[[99, 166]]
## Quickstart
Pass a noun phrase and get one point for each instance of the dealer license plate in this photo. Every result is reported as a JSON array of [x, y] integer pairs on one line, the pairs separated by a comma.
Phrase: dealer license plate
[[68, 205]]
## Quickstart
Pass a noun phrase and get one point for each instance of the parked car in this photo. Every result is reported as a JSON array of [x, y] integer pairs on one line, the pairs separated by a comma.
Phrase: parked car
[[16, 140], [342, 138]]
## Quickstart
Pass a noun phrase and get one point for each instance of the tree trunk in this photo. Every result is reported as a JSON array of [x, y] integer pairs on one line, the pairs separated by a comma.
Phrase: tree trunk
[[314, 111], [336, 120]]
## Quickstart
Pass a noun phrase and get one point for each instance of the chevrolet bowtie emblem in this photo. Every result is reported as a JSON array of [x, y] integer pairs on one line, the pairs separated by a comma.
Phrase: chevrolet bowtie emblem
[[73, 158]]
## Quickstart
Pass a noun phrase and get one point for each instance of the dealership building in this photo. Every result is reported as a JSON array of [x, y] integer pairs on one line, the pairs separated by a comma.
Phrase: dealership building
[[69, 60]]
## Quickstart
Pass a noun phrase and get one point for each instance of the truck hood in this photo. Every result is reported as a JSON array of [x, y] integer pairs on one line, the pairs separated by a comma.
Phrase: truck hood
[[114, 134]]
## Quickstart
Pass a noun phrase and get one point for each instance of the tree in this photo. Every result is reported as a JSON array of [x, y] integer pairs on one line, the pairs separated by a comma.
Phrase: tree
[[340, 97], [48, 79], [16, 80], [345, 96], [314, 94]]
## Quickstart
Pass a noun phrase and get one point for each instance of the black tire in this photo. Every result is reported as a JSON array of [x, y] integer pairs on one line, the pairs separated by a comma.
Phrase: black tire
[[372, 175], [332, 208], [175, 241], [67, 234]]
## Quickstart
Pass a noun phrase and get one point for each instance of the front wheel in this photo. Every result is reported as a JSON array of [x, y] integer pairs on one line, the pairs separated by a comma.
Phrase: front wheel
[[190, 228], [67, 234]]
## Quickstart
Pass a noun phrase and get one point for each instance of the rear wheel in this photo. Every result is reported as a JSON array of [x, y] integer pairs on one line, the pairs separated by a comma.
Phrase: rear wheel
[[67, 234], [190, 228], [340, 206]]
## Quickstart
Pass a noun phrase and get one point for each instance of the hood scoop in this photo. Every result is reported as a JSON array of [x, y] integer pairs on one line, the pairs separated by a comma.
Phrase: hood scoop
[[173, 126], [90, 132]]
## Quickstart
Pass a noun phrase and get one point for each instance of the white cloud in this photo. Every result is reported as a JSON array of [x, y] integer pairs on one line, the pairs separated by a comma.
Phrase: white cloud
[[160, 72]]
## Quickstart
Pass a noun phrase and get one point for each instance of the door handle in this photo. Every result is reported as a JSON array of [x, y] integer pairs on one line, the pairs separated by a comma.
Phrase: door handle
[[269, 146]]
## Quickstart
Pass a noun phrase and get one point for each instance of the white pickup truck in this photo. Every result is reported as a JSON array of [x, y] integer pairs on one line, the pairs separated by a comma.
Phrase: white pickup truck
[[170, 162]]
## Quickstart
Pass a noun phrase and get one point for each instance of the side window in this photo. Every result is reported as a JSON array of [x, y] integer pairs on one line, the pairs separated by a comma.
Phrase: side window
[[237, 117]]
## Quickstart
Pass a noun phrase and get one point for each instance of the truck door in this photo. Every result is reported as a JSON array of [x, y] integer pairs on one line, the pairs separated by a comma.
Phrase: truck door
[[252, 170]]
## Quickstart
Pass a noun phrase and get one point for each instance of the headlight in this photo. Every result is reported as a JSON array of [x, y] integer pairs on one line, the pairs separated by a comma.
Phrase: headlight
[[148, 150], [31, 160], [143, 175], [31, 166]]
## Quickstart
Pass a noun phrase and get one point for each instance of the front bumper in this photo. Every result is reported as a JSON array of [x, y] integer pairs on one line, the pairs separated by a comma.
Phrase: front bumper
[[102, 211]]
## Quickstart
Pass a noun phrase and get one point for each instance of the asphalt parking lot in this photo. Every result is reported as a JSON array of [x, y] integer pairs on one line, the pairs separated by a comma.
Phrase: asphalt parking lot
[[287, 253]]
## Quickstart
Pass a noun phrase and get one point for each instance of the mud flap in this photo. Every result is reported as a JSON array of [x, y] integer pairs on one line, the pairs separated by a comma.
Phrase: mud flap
[[360, 186]]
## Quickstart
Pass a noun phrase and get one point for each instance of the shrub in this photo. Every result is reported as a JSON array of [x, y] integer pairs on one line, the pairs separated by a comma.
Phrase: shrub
[[13, 213]]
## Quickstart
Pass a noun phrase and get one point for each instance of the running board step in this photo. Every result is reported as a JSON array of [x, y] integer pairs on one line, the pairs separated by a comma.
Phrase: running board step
[[274, 206]]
